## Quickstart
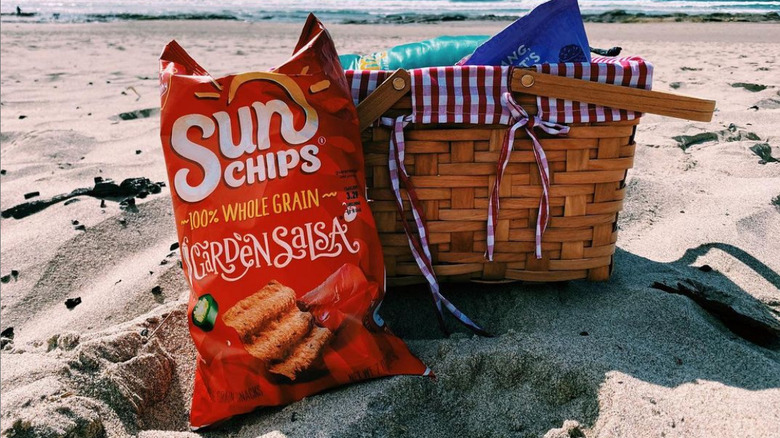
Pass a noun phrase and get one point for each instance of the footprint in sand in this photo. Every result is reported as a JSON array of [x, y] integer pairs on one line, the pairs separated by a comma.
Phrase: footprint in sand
[[768, 103]]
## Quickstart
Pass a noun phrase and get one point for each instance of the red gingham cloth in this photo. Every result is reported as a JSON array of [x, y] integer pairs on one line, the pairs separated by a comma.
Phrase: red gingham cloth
[[463, 94], [364, 82]]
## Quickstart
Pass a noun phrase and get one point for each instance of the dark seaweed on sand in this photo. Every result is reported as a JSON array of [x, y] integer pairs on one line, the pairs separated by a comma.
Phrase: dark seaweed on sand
[[124, 193], [764, 151]]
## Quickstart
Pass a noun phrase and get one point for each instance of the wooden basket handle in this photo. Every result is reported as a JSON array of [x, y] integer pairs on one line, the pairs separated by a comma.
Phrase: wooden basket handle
[[383, 97], [612, 96], [541, 84]]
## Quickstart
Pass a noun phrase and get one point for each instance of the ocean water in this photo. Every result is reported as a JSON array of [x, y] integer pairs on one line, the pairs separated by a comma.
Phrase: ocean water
[[345, 10]]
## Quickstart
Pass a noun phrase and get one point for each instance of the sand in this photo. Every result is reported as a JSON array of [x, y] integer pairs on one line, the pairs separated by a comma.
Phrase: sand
[[612, 359]]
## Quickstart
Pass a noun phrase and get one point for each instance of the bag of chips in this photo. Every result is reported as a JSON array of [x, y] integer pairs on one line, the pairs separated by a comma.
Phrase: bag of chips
[[277, 240], [552, 32]]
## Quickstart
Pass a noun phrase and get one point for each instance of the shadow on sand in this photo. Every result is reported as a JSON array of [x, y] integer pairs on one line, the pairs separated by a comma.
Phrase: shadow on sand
[[557, 347]]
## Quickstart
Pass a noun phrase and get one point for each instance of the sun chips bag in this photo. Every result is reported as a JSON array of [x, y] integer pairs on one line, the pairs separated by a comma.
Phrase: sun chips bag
[[277, 240]]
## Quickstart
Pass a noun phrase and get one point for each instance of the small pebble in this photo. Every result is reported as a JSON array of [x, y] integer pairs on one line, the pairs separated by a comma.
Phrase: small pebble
[[81, 227], [70, 303], [138, 152], [144, 332], [157, 290], [2, 172], [8, 333], [22, 117], [74, 222], [174, 246]]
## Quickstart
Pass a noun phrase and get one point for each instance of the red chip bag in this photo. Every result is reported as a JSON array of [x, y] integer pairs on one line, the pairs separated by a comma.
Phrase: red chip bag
[[277, 240]]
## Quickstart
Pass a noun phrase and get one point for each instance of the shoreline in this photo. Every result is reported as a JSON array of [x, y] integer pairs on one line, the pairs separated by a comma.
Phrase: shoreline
[[611, 16]]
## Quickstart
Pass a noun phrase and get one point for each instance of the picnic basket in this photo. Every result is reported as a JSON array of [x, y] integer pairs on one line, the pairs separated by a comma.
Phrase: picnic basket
[[453, 169]]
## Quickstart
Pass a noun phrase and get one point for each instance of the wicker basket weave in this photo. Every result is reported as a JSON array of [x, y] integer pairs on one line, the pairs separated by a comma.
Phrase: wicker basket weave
[[453, 170]]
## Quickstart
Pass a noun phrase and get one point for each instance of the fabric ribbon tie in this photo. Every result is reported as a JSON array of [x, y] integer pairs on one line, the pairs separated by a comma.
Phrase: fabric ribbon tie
[[419, 244], [521, 119]]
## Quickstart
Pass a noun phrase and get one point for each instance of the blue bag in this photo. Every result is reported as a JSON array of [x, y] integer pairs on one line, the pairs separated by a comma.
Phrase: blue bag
[[552, 32], [444, 50]]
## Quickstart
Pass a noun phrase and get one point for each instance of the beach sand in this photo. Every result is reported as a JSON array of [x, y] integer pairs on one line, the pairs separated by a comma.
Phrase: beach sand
[[613, 359]]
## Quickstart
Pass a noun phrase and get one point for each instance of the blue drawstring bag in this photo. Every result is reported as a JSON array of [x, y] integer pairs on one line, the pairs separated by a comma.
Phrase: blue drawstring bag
[[552, 32]]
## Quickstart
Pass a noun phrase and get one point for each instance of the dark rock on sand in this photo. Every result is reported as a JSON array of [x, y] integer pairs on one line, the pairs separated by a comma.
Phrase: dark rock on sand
[[70, 303], [8, 333], [7, 278], [174, 246], [31, 195]]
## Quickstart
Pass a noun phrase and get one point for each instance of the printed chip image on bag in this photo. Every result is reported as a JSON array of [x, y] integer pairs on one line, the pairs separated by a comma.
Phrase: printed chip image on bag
[[278, 243]]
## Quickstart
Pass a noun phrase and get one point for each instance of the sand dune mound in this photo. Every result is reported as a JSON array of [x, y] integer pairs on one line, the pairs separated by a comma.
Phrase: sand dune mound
[[82, 386]]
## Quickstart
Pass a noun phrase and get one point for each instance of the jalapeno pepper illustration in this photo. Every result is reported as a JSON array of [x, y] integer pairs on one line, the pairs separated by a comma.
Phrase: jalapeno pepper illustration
[[204, 314]]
